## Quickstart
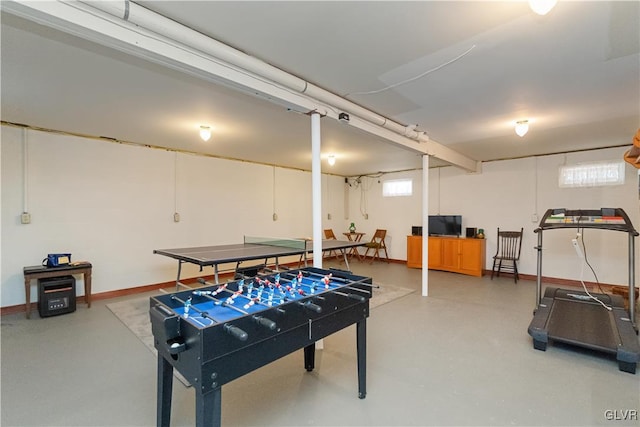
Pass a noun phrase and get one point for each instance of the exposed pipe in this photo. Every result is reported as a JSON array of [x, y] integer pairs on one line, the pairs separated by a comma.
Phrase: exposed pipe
[[209, 58], [274, 215], [25, 171], [157, 23], [176, 215]]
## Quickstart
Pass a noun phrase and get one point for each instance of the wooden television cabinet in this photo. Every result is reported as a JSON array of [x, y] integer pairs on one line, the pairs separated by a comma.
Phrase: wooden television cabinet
[[454, 254]]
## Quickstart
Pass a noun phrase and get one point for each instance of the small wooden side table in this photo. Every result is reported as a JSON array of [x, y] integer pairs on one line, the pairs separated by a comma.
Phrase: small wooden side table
[[354, 237], [41, 272]]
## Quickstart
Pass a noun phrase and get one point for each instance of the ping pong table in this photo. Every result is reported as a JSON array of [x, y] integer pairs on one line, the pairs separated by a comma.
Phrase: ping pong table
[[253, 248]]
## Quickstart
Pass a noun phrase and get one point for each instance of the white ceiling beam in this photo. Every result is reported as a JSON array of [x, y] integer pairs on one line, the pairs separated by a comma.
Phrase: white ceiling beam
[[109, 31], [112, 25]]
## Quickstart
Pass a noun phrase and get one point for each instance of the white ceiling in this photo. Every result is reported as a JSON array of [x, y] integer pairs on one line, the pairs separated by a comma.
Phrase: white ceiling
[[575, 74]]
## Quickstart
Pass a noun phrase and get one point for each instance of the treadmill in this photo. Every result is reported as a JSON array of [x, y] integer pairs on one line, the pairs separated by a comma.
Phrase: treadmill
[[571, 316]]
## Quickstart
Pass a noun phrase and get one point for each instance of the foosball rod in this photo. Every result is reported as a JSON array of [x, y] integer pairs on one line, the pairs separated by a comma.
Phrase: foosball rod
[[230, 329], [258, 277], [256, 299], [220, 287], [305, 302], [308, 304], [204, 314], [340, 279], [321, 287], [356, 297], [237, 332], [289, 273], [268, 276], [323, 290], [306, 273], [221, 302], [261, 320], [353, 282]]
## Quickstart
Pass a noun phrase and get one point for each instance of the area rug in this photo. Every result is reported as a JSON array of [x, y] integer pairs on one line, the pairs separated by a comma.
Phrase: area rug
[[383, 294], [134, 313]]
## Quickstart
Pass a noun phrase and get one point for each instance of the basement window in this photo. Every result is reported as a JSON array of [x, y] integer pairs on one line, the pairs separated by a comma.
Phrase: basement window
[[594, 174], [397, 188]]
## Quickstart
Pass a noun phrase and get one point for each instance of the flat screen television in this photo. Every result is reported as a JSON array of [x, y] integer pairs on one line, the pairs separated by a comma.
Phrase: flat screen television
[[445, 225]]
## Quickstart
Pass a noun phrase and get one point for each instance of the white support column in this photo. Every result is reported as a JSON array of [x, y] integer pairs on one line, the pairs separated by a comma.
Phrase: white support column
[[316, 190], [425, 225], [316, 197]]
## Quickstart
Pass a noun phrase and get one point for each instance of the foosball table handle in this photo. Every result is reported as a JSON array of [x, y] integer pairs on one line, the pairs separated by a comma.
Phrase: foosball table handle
[[313, 307], [358, 298], [236, 332], [267, 323]]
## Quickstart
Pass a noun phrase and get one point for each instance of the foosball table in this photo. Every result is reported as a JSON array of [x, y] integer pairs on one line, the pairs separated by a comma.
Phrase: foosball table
[[217, 333]]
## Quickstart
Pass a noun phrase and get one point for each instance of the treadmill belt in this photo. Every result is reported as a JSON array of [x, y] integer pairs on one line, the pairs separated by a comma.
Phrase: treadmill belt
[[586, 324]]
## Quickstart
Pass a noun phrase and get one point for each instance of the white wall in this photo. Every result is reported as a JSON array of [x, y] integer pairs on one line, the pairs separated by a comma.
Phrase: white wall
[[113, 204], [395, 214], [506, 194]]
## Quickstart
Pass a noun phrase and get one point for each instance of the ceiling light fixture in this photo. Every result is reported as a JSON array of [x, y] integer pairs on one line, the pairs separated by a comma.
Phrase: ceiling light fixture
[[542, 7], [205, 133], [331, 160], [522, 127]]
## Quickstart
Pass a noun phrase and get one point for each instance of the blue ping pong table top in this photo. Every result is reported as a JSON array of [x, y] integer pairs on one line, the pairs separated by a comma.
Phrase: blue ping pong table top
[[219, 254]]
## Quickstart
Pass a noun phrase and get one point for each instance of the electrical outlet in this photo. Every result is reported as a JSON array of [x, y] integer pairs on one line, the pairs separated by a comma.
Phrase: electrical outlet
[[275, 216], [366, 216], [329, 216], [176, 217], [25, 218], [534, 218]]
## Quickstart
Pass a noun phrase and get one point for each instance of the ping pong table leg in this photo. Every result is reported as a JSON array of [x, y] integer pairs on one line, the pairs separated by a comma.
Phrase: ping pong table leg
[[215, 271], [178, 277], [165, 384], [346, 261]]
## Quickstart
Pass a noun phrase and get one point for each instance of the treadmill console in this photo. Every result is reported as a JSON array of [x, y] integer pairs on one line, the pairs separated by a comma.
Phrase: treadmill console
[[604, 218]]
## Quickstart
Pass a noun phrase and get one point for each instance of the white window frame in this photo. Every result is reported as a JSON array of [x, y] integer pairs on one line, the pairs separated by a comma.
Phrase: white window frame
[[593, 174], [397, 188]]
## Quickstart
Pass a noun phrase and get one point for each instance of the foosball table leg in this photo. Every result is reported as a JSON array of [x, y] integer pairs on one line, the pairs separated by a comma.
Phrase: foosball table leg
[[165, 385], [310, 357], [361, 344], [209, 408]]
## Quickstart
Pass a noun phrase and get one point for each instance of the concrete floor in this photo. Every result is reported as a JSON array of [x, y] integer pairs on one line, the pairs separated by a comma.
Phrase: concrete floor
[[461, 356]]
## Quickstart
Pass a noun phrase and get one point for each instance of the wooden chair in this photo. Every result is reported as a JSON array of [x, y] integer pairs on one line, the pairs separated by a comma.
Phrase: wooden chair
[[508, 252], [377, 244], [330, 235]]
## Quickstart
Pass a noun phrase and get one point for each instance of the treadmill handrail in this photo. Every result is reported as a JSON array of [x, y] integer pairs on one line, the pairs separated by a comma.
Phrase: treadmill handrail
[[627, 227]]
